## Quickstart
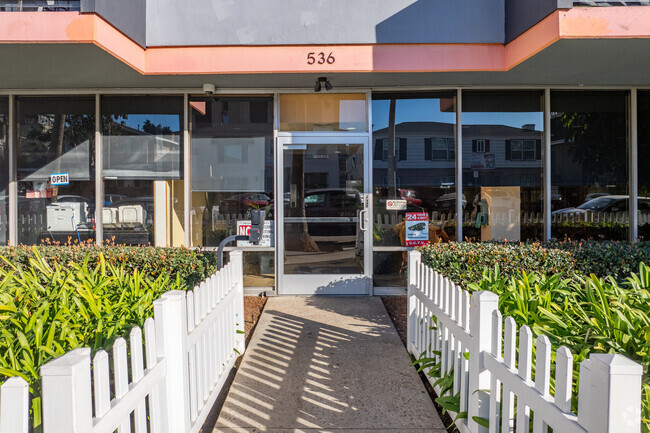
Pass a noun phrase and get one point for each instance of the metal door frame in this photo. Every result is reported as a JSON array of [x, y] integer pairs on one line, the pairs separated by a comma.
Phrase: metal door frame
[[285, 283]]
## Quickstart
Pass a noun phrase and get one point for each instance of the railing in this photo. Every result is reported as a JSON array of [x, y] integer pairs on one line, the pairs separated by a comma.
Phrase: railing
[[167, 384], [40, 5], [388, 220], [611, 3], [491, 381]]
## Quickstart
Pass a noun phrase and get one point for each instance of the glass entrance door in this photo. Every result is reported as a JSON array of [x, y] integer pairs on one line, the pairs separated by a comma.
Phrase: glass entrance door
[[322, 214]]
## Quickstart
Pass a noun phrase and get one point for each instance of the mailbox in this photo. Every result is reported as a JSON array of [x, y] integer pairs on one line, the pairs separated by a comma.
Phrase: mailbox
[[257, 226]]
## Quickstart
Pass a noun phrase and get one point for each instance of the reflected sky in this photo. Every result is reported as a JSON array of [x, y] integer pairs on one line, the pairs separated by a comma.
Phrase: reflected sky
[[428, 110]]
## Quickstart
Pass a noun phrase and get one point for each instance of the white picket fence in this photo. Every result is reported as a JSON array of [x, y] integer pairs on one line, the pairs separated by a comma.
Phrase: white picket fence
[[492, 382], [167, 385]]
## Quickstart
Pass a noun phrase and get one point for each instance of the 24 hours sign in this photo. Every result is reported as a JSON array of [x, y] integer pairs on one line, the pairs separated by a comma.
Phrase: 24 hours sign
[[417, 229]]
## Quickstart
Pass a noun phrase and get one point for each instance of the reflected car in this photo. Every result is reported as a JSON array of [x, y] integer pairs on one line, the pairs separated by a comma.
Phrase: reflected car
[[239, 203], [447, 202], [330, 211], [409, 196], [607, 203]]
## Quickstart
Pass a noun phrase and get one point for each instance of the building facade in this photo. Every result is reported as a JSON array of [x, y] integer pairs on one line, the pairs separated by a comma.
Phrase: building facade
[[158, 122]]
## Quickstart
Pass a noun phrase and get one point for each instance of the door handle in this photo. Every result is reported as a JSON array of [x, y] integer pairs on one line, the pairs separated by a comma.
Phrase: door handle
[[362, 220]]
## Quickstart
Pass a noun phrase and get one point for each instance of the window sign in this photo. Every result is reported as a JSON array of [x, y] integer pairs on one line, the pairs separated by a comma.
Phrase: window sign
[[417, 229], [395, 204], [60, 179], [244, 228]]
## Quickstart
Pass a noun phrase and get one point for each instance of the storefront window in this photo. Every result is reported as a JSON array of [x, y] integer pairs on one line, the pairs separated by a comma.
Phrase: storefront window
[[55, 135], [413, 162], [502, 165], [413, 172], [644, 156], [4, 171], [323, 112], [589, 165], [142, 144], [232, 166]]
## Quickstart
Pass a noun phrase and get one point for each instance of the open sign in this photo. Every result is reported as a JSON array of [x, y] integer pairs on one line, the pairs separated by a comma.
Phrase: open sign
[[60, 179]]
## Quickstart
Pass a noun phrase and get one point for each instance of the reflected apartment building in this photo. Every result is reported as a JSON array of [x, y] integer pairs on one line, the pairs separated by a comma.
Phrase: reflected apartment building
[[169, 123]]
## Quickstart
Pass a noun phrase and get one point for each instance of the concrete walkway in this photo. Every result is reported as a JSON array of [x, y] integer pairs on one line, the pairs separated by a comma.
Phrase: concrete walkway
[[327, 364]]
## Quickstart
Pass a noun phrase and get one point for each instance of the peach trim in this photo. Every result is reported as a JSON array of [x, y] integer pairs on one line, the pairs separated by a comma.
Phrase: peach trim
[[348, 58], [537, 38], [579, 23], [72, 27]]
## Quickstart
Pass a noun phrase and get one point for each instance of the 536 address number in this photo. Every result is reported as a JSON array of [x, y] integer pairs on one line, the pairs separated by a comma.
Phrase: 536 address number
[[320, 58]]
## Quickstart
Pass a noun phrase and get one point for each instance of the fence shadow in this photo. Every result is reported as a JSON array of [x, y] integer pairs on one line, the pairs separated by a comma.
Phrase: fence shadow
[[300, 372]]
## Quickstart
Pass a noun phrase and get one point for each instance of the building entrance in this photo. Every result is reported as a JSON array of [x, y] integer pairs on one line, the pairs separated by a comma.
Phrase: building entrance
[[322, 212]]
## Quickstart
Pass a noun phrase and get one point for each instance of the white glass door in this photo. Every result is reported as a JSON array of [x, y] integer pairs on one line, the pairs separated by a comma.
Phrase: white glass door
[[324, 226]]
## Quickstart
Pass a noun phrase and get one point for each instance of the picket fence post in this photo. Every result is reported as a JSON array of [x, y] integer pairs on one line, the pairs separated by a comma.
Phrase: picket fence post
[[609, 398], [237, 261], [414, 259], [482, 305], [170, 315], [67, 396], [14, 406]]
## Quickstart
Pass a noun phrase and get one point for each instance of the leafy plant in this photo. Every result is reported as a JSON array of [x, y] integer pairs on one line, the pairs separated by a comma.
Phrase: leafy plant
[[47, 309], [585, 314]]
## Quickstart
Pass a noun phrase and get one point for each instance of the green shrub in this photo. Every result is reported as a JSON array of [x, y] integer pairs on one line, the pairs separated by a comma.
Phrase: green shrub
[[48, 309], [587, 315], [606, 258], [464, 262], [191, 266]]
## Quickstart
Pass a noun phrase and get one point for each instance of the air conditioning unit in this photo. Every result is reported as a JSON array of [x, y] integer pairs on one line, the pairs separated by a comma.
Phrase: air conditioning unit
[[66, 216], [109, 216], [132, 215]]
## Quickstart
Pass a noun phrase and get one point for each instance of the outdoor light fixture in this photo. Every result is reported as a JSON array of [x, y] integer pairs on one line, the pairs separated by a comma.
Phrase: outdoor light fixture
[[318, 86]]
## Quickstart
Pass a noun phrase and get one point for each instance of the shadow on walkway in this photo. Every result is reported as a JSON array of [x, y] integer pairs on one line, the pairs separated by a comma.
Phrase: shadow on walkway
[[326, 364]]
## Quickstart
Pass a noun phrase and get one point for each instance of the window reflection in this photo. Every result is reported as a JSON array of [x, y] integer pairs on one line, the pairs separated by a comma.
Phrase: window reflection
[[232, 165], [4, 171], [589, 165], [643, 158], [55, 135], [502, 165], [413, 163], [142, 143], [323, 186]]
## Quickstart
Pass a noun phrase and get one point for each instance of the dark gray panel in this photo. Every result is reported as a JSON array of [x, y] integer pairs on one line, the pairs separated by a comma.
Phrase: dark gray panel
[[291, 22], [128, 16], [524, 14]]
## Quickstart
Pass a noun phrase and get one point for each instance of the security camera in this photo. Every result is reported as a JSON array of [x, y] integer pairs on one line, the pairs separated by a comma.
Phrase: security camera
[[209, 89]]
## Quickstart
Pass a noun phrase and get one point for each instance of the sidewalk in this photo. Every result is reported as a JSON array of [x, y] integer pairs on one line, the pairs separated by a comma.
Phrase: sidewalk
[[327, 364]]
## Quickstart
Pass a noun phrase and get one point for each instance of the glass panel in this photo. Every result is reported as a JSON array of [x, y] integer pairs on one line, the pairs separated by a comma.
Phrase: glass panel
[[589, 165], [502, 165], [259, 269], [4, 171], [55, 135], [232, 165], [128, 216], [142, 143], [323, 186], [143, 137], [418, 171], [390, 269], [323, 112], [644, 156]]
